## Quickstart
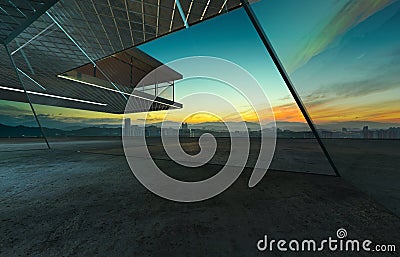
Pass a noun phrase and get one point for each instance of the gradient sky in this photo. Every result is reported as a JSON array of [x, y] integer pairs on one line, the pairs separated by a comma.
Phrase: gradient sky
[[343, 57]]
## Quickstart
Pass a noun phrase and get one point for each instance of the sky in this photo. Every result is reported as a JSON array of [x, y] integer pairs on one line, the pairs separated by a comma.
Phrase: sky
[[342, 56]]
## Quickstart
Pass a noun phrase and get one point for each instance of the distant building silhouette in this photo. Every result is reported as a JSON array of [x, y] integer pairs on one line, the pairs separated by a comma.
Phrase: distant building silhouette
[[153, 131], [169, 132], [365, 132], [127, 127], [393, 133], [137, 131], [184, 131]]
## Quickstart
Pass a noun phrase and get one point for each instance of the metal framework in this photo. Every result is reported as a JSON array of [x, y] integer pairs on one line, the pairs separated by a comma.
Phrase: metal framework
[[26, 95], [76, 36], [75, 33], [17, 15]]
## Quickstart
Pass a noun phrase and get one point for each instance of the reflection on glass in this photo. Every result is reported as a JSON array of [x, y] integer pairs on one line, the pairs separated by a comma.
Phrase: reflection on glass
[[19, 129], [233, 38], [343, 57]]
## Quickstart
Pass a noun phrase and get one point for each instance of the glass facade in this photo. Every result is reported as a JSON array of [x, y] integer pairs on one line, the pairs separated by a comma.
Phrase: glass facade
[[224, 37], [18, 123], [342, 57]]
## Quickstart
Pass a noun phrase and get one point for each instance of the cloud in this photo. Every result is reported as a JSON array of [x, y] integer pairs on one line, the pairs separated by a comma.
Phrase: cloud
[[19, 114], [323, 112], [351, 14], [369, 98], [384, 80], [8, 109]]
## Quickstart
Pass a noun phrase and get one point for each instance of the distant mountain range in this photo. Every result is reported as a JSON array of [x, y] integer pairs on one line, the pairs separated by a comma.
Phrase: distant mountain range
[[26, 131], [23, 131]]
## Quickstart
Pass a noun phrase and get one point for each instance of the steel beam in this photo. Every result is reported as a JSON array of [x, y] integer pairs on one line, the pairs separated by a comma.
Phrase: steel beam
[[267, 43], [47, 5], [26, 94]]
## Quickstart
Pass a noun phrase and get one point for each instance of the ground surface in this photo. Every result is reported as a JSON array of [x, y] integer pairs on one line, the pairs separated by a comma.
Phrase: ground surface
[[69, 203]]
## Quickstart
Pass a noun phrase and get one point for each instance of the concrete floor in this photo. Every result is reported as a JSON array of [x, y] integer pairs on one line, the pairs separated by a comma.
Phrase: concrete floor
[[69, 203]]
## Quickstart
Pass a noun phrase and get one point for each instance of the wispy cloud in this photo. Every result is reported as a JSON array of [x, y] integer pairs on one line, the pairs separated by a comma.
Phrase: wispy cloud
[[351, 14], [352, 89], [323, 113], [19, 115]]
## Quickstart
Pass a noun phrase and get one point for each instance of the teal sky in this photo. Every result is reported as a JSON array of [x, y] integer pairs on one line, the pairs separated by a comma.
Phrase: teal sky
[[341, 55]]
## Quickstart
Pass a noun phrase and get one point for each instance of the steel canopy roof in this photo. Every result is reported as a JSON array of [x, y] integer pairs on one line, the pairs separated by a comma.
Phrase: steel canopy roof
[[62, 36]]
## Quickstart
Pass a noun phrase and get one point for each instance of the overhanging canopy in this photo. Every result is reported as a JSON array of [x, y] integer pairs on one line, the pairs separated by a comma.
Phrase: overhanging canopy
[[75, 34]]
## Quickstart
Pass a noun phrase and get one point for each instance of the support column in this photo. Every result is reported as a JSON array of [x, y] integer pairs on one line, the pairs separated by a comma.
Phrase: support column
[[261, 33], [27, 95]]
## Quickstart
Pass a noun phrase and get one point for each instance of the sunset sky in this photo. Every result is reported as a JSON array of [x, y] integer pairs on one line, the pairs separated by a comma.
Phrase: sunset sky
[[343, 57]]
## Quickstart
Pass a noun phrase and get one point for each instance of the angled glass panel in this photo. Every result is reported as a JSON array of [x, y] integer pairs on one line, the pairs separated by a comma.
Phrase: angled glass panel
[[44, 39], [223, 37], [342, 57], [44, 51], [18, 127]]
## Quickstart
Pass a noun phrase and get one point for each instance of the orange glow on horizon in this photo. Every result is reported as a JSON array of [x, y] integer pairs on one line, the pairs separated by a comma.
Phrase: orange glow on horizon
[[291, 113], [328, 112]]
